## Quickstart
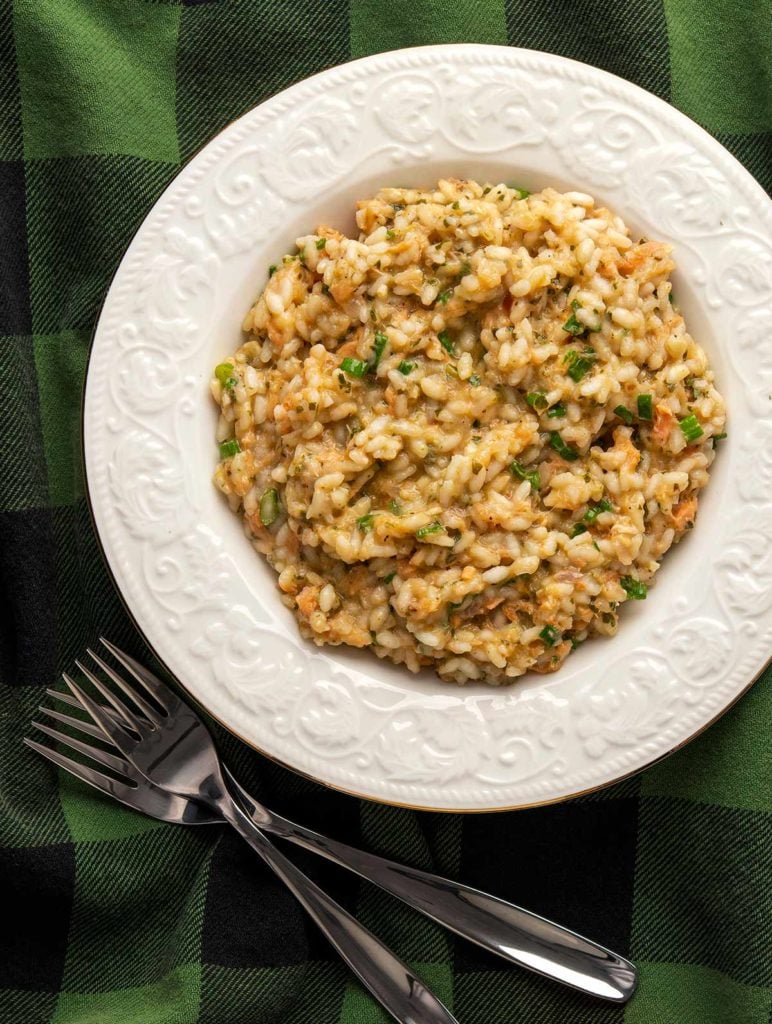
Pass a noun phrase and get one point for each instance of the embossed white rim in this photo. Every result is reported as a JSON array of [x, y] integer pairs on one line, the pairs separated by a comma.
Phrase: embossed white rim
[[208, 605]]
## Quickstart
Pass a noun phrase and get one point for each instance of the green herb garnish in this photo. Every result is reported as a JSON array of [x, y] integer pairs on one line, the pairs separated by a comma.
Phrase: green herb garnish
[[592, 513], [718, 437], [690, 427], [365, 523], [320, 243], [354, 367], [577, 529], [443, 297], [579, 365], [380, 343], [272, 269], [566, 451], [405, 367], [446, 341], [635, 589], [474, 380], [531, 475], [395, 507], [645, 407], [537, 400], [391, 234], [269, 506], [389, 578], [572, 325], [556, 411], [624, 414], [550, 635], [229, 448], [425, 531]]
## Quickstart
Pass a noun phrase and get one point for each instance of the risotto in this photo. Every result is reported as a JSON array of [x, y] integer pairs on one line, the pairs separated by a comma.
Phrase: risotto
[[467, 437]]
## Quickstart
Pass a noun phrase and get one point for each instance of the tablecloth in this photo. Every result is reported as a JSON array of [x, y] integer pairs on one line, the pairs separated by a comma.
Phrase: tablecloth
[[106, 916]]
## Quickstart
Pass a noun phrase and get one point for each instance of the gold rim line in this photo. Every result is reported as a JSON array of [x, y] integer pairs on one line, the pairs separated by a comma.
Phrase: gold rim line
[[251, 743]]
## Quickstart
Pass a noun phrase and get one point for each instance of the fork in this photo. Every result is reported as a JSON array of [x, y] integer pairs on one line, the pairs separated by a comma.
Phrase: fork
[[176, 752]]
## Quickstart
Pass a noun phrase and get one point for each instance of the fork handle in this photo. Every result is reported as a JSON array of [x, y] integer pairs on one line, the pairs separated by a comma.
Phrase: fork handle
[[389, 979], [510, 931]]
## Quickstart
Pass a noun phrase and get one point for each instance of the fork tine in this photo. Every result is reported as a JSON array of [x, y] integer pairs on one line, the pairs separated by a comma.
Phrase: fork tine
[[149, 712], [109, 726], [124, 712], [65, 698], [75, 723], [119, 790], [160, 691], [100, 756]]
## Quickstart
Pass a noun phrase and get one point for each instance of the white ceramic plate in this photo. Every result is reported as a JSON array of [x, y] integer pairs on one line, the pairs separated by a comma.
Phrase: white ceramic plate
[[206, 601]]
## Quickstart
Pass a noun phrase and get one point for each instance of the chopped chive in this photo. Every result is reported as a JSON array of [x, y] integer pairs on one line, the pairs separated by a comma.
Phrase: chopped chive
[[635, 589], [425, 531], [566, 451], [557, 411], [522, 193], [381, 341], [465, 268], [395, 507], [229, 448], [389, 578], [624, 414], [550, 635], [320, 243], [537, 400], [269, 506], [272, 269], [354, 367], [579, 365], [592, 513], [690, 427], [474, 380], [391, 234], [224, 373], [718, 437], [405, 367], [572, 325], [645, 410], [446, 341], [577, 529], [531, 475], [365, 523], [443, 297]]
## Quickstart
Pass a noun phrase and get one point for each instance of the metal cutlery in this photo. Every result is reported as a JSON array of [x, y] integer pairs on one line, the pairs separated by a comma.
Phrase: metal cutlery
[[175, 750]]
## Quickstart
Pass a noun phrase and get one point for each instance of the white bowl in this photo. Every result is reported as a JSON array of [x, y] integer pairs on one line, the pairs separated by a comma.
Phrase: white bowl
[[208, 604]]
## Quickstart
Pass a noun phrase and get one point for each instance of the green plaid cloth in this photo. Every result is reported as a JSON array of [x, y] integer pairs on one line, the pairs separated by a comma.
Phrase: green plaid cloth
[[109, 917]]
